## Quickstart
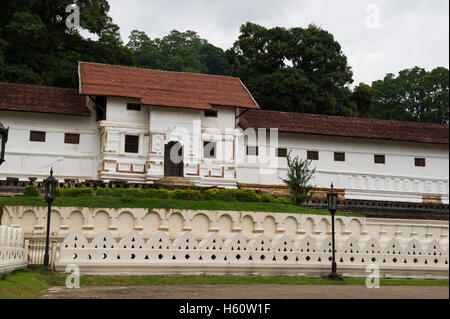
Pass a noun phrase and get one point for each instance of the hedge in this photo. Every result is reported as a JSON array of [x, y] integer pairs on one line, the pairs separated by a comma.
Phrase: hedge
[[73, 192], [31, 191], [240, 195]]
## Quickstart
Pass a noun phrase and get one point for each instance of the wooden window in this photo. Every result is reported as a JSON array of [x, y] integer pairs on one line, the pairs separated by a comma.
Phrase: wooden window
[[252, 150], [36, 136], [339, 157], [282, 152], [209, 149], [133, 107], [419, 162], [379, 159], [210, 113], [70, 138], [131, 144], [312, 155]]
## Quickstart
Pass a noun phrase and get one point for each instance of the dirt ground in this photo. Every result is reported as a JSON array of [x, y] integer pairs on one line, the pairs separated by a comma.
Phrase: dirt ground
[[250, 292]]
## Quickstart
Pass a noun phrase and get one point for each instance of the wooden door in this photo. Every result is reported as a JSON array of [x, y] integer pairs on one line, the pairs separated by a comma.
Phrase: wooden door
[[173, 166]]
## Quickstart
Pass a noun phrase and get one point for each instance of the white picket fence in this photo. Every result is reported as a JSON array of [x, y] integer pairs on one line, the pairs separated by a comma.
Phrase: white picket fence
[[13, 250]]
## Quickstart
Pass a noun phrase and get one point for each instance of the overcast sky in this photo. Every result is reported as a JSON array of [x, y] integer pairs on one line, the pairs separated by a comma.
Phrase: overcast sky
[[377, 36]]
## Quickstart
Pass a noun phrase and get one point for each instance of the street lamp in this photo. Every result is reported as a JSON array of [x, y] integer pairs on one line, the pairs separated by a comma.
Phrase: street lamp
[[3, 140], [50, 195], [332, 202]]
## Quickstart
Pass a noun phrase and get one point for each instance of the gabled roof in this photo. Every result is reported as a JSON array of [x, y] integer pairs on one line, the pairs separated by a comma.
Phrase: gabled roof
[[42, 99], [163, 88], [346, 126]]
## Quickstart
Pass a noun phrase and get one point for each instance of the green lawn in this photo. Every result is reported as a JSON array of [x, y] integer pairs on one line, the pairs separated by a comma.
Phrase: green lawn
[[150, 203], [32, 284]]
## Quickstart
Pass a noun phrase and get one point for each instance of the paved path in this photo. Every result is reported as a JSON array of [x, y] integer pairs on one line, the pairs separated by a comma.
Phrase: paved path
[[250, 292]]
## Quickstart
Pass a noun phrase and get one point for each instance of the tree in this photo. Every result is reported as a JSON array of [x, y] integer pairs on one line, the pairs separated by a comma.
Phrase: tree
[[362, 96], [298, 177], [178, 51], [297, 70], [37, 48], [414, 95]]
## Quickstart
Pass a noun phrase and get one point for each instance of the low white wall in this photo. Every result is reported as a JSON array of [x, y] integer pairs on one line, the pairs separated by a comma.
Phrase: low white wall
[[258, 254], [423, 244], [13, 255], [200, 222]]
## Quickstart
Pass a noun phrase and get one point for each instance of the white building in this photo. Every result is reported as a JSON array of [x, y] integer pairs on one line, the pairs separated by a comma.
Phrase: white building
[[124, 122]]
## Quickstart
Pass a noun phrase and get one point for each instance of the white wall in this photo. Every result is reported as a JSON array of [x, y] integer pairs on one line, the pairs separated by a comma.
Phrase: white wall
[[119, 123], [157, 126], [25, 159], [397, 179], [102, 149]]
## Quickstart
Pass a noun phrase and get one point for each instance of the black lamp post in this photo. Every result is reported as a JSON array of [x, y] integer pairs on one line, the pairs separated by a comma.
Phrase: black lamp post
[[50, 195], [332, 202], [3, 139]]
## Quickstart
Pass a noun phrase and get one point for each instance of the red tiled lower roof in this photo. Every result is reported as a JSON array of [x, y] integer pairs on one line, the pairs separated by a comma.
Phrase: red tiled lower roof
[[30, 98], [163, 88], [346, 126]]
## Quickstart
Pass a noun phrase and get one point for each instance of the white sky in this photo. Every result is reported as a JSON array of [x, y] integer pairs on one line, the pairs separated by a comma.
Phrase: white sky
[[407, 33]]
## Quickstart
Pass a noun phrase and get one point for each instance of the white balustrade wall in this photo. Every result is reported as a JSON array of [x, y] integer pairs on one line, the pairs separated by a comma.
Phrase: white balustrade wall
[[241, 232], [258, 254], [13, 255], [119, 222]]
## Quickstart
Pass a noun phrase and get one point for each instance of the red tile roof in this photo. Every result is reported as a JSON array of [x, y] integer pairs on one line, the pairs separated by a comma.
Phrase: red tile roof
[[30, 98], [346, 126], [163, 88]]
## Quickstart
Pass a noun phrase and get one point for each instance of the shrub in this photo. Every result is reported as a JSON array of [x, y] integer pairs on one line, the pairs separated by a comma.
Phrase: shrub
[[298, 177], [242, 195], [31, 191], [220, 194], [246, 195], [130, 192], [266, 198], [73, 192], [157, 193], [104, 192], [186, 194], [151, 192]]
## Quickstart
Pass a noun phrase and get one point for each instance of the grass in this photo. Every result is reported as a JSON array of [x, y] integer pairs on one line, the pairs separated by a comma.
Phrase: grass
[[33, 284], [151, 203]]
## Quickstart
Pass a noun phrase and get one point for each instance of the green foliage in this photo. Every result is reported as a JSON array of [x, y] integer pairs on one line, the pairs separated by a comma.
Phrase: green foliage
[[266, 198], [104, 192], [221, 194], [131, 192], [178, 51], [362, 96], [298, 177], [127, 194], [414, 95], [74, 192], [246, 195], [241, 195], [296, 70], [159, 193], [37, 48], [31, 191], [186, 194]]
